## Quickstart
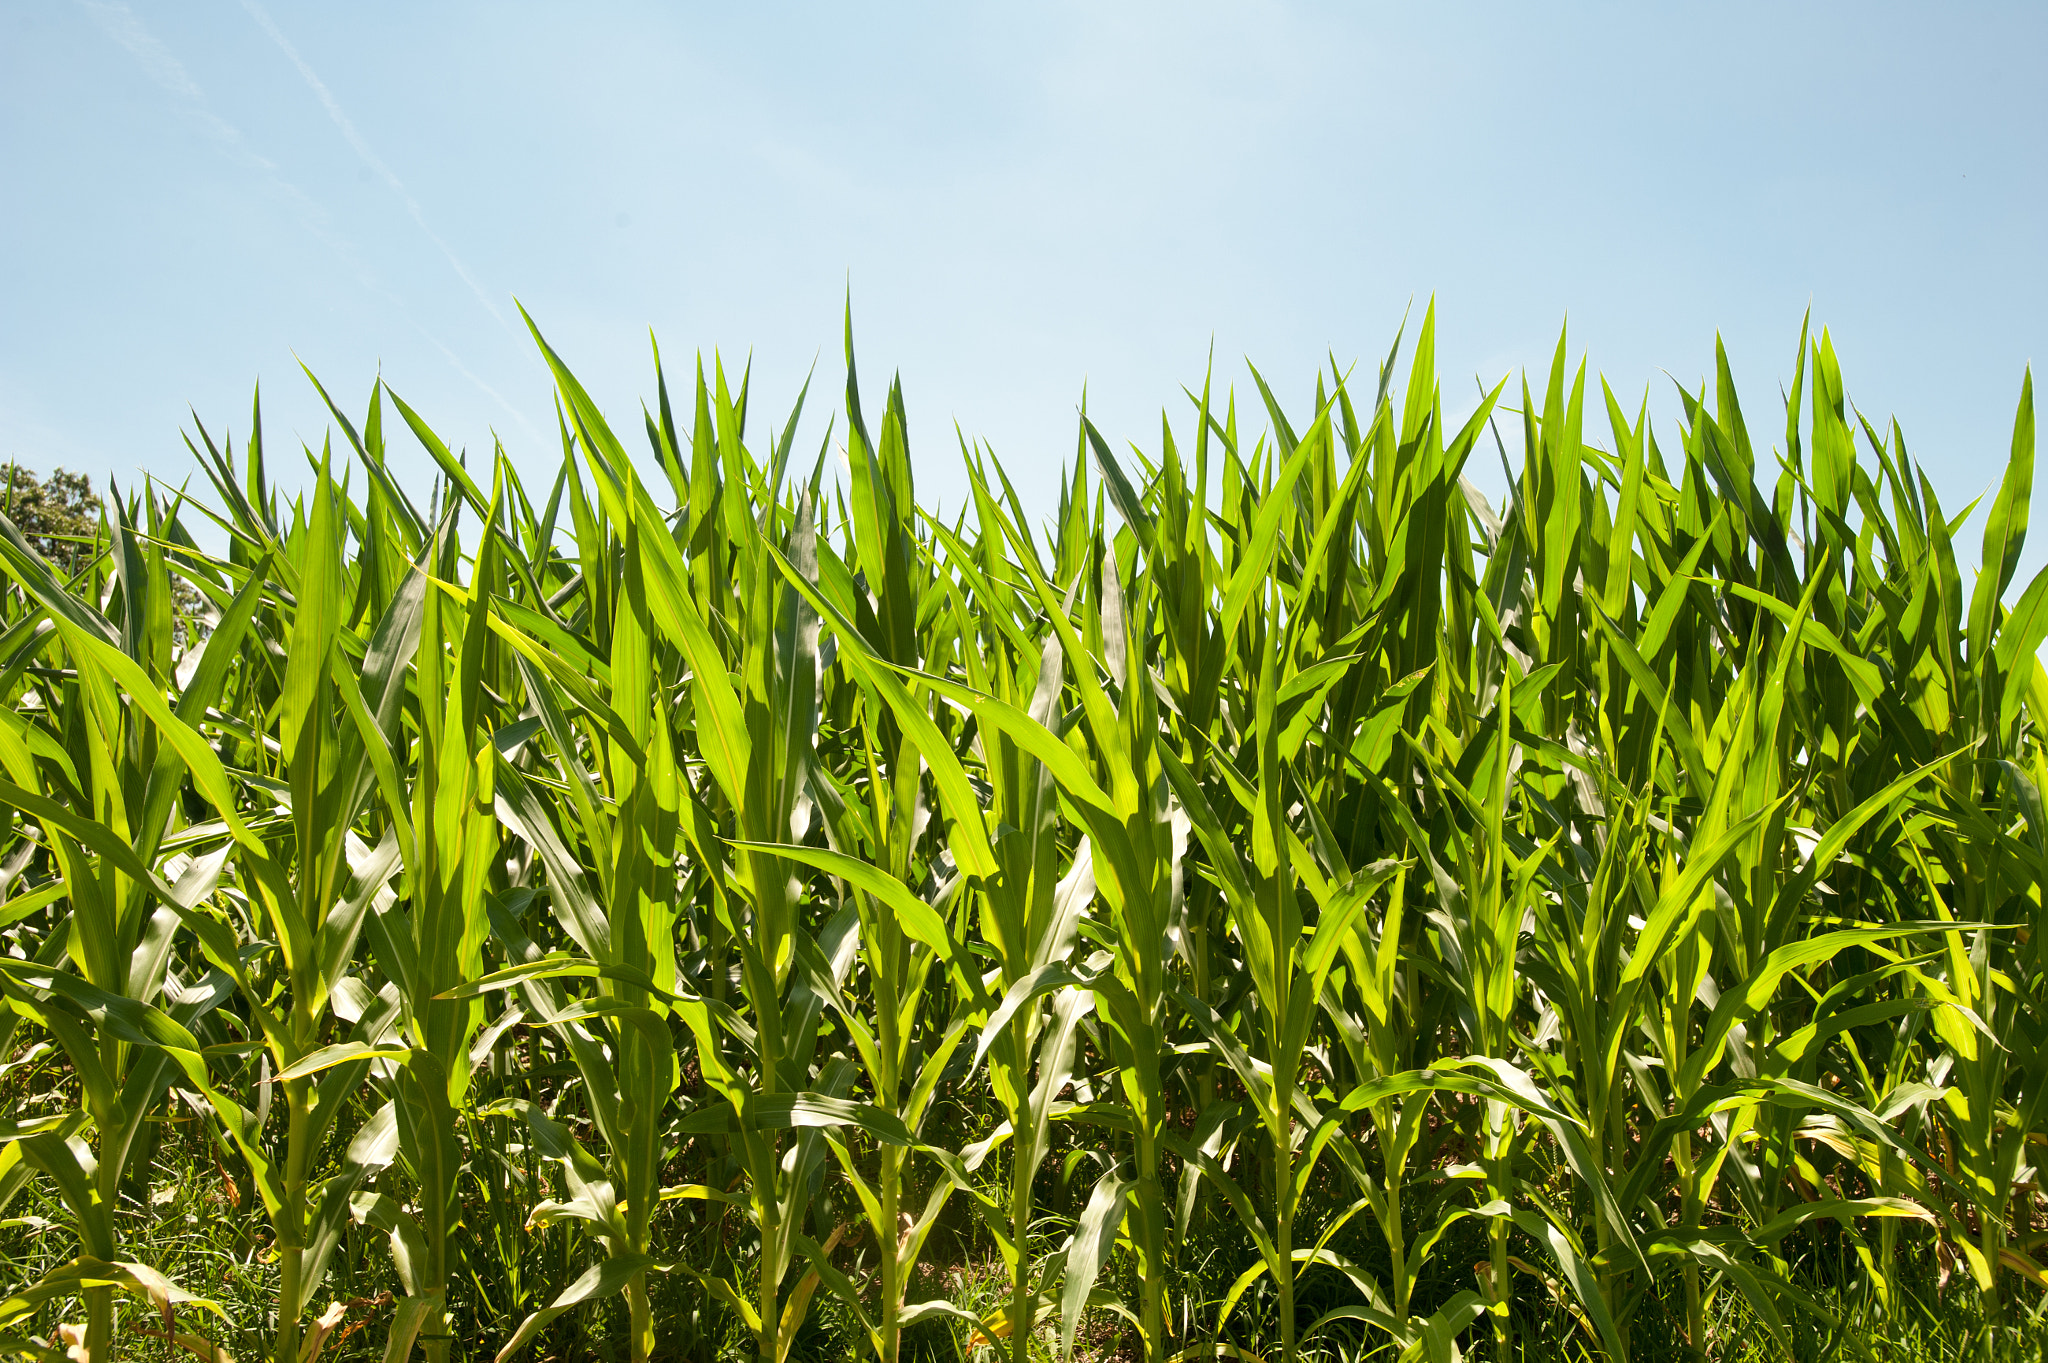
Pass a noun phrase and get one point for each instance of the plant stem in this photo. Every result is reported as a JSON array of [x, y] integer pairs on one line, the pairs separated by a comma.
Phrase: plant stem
[[887, 1085], [1020, 1228], [291, 1221], [1150, 1211], [641, 1315], [1283, 1197], [99, 1322]]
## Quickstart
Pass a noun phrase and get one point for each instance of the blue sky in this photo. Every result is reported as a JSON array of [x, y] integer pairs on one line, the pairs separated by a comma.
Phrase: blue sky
[[1023, 198]]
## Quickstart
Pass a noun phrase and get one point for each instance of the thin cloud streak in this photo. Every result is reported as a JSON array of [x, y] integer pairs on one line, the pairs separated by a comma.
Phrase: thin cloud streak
[[464, 370], [118, 22], [121, 24], [163, 68], [370, 158]]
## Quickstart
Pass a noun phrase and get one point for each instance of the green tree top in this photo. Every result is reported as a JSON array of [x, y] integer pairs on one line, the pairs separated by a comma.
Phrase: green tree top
[[53, 513]]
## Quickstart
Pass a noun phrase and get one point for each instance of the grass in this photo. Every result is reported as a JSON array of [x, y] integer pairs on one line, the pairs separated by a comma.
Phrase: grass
[[1284, 907]]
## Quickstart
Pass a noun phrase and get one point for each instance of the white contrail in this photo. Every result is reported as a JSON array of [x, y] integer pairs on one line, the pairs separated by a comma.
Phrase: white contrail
[[464, 369], [370, 158], [118, 22], [123, 26]]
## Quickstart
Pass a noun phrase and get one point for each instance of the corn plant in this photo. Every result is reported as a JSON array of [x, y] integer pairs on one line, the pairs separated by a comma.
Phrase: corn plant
[[702, 900]]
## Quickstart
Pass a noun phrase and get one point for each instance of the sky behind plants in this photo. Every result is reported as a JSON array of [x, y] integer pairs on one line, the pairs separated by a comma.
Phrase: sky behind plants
[[1023, 199]]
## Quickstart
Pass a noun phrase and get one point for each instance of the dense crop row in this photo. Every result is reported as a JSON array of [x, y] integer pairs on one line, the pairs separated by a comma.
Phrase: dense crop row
[[719, 872]]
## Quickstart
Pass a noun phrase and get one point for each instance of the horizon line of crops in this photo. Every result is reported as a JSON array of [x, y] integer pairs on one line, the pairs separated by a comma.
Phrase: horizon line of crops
[[715, 875]]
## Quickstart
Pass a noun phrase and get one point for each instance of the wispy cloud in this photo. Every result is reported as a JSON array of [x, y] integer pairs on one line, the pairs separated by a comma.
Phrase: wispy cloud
[[161, 65], [163, 68], [370, 158], [467, 373], [120, 23]]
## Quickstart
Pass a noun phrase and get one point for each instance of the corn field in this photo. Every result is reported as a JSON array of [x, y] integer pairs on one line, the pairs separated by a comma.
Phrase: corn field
[[1284, 906]]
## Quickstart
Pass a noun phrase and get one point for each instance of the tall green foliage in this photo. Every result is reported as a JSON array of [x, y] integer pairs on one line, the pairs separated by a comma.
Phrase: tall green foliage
[[745, 879]]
